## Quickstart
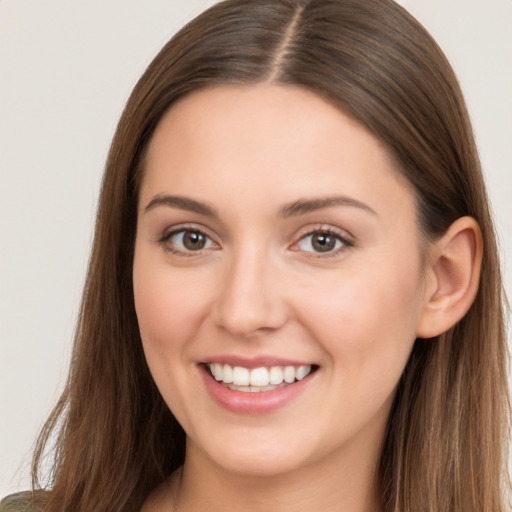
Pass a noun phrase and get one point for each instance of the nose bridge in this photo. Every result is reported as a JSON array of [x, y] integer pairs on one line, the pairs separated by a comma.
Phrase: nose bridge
[[249, 299]]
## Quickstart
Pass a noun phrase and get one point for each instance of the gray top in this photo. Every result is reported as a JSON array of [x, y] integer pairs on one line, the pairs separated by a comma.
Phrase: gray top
[[19, 502]]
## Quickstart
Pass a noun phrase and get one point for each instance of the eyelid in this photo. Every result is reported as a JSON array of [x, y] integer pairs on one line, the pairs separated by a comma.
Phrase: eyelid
[[344, 236], [347, 240], [173, 230]]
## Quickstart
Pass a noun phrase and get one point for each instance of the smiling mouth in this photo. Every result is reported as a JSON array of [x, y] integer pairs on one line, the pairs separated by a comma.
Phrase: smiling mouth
[[256, 380]]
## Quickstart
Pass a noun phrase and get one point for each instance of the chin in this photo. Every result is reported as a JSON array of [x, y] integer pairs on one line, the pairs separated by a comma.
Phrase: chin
[[264, 465], [259, 458]]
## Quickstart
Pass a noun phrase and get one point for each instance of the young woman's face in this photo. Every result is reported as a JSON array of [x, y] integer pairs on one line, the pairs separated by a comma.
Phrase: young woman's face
[[277, 248]]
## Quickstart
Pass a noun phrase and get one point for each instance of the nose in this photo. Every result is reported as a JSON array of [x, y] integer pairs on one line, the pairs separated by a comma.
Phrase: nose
[[250, 299]]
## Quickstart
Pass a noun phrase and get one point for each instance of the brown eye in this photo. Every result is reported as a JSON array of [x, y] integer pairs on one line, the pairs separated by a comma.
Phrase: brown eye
[[194, 240], [321, 242], [189, 240]]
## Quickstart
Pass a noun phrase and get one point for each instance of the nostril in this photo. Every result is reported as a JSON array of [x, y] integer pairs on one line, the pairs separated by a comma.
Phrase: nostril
[[246, 318]]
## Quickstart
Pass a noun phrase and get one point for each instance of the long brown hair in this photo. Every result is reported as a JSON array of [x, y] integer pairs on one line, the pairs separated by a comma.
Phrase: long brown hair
[[445, 444]]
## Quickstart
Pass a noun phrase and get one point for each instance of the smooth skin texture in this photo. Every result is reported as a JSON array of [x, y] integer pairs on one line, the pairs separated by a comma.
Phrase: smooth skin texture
[[240, 186]]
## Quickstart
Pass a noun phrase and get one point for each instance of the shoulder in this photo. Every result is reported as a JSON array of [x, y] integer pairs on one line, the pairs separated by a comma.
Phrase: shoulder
[[21, 502]]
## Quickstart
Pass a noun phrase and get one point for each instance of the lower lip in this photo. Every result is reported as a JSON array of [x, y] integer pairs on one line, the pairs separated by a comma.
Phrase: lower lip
[[262, 402]]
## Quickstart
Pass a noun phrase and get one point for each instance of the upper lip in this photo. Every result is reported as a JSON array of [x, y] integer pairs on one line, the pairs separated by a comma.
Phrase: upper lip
[[254, 362]]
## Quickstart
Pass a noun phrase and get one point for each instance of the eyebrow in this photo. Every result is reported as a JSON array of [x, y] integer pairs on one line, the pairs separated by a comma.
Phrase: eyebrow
[[182, 203], [303, 206], [299, 207]]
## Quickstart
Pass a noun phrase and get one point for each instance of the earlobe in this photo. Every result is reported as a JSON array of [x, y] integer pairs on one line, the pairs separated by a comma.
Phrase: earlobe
[[453, 276]]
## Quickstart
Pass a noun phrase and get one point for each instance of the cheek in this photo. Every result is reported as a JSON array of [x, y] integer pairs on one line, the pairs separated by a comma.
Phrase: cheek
[[366, 320], [169, 305], [169, 311]]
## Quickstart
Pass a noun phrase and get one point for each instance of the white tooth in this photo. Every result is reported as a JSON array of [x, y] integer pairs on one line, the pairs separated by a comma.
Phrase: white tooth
[[302, 371], [217, 371], [289, 374], [276, 375], [259, 377], [240, 376], [227, 374]]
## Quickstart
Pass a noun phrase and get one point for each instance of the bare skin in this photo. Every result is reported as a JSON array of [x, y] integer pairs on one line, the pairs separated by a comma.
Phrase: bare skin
[[263, 176]]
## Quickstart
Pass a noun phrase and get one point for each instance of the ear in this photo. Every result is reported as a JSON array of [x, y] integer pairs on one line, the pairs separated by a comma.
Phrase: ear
[[452, 277]]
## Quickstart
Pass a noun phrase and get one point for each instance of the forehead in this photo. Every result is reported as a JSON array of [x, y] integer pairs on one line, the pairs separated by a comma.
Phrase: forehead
[[275, 142]]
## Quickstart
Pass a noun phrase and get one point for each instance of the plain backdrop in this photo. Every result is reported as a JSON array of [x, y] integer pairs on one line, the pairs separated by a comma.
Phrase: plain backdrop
[[66, 69]]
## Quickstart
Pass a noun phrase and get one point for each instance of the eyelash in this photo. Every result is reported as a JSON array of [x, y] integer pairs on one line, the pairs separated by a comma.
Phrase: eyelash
[[327, 231], [167, 236], [345, 242]]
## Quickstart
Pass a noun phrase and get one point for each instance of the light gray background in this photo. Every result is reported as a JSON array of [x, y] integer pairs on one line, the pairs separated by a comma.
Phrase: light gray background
[[66, 69]]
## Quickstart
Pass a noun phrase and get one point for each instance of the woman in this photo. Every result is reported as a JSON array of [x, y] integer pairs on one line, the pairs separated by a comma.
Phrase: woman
[[294, 298]]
